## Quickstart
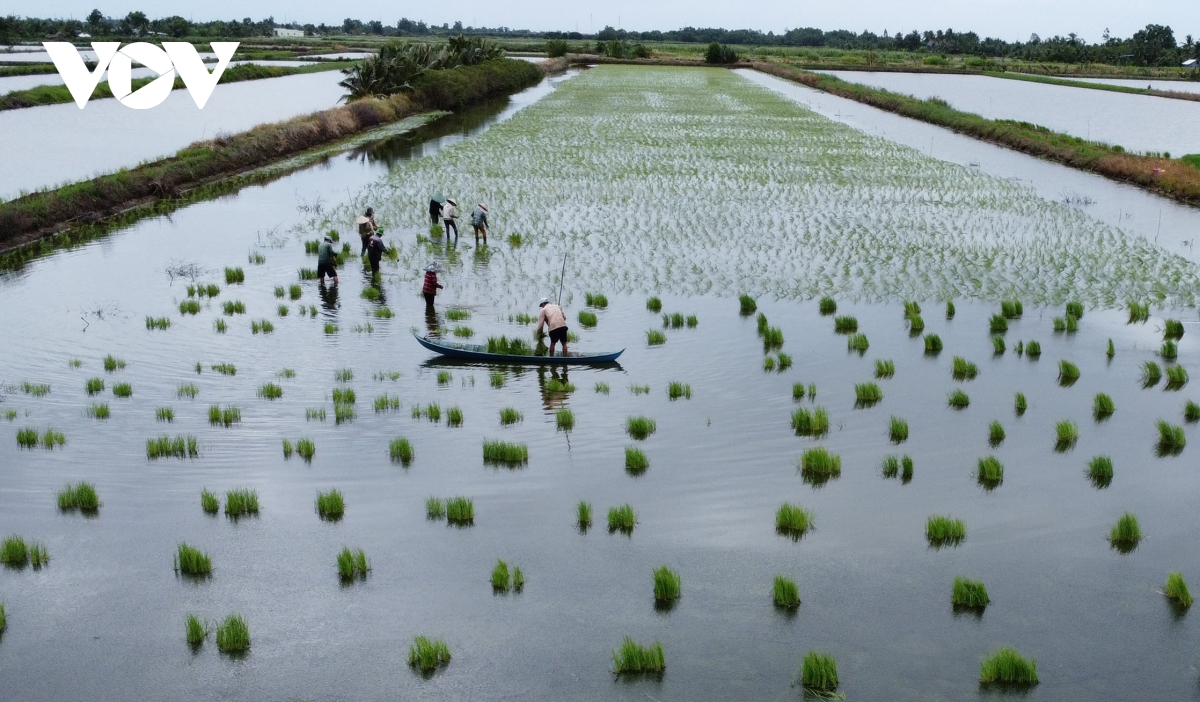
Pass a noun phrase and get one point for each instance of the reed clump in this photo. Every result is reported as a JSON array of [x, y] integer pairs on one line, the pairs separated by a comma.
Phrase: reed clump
[[331, 506], [810, 423], [241, 502], [1100, 471], [827, 306], [1126, 533], [944, 531], [990, 472], [818, 673], [400, 451], [636, 461], [233, 635], [785, 593], [640, 428], [583, 515], [632, 658], [504, 453], [792, 520], [80, 496], [192, 561], [1006, 666], [352, 564], [428, 655], [1176, 589], [962, 369], [969, 594], [621, 519]]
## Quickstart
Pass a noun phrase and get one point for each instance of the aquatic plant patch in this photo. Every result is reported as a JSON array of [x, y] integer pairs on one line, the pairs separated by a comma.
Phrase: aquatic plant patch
[[80, 496], [192, 561], [636, 461], [331, 506], [583, 515], [1007, 666], [666, 584], [621, 519], [785, 593], [632, 658], [172, 447], [792, 520], [233, 635], [971, 594], [944, 531], [818, 673], [505, 453]]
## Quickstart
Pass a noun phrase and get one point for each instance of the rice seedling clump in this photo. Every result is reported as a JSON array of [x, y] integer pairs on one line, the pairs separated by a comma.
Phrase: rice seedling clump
[[1151, 374], [81, 496], [1006, 666], [636, 462], [1171, 439], [785, 593], [933, 344], [111, 363], [1126, 533], [587, 319], [991, 472], [621, 519], [197, 631], [209, 502], [331, 506], [270, 391], [845, 325], [655, 337], [1020, 404], [998, 345], [123, 390], [1033, 350], [1177, 377], [164, 414], [995, 434], [867, 393], [583, 515], [819, 461], [962, 369], [224, 416], [233, 635], [225, 368], [454, 417], [944, 531], [159, 323], [352, 564], [959, 400], [502, 452], [460, 510], [666, 584], [747, 305], [797, 391], [1066, 433], [640, 427], [1139, 312], [655, 305], [1191, 412], [969, 593], [998, 324], [1100, 471], [241, 502], [94, 386], [27, 438], [596, 300], [676, 390], [564, 420], [435, 508], [827, 306], [1177, 589], [172, 447], [818, 672], [192, 561], [1011, 309], [1103, 406], [814, 423], [556, 385], [857, 342], [792, 520], [632, 658], [898, 430], [400, 451], [949, 309]]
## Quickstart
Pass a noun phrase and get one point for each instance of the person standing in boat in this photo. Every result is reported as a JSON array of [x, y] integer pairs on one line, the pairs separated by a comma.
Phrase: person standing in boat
[[449, 215], [479, 222], [325, 260], [366, 227], [429, 290], [555, 320]]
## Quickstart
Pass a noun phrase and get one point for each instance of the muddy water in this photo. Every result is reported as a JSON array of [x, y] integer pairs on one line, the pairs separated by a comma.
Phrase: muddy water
[[105, 619]]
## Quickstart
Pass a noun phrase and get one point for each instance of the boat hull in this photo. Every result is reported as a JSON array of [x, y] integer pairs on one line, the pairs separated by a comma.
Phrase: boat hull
[[475, 352]]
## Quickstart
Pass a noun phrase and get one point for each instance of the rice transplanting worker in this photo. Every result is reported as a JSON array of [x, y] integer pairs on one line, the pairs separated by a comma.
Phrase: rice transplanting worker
[[430, 288], [555, 320], [479, 221], [325, 259], [366, 227], [449, 215]]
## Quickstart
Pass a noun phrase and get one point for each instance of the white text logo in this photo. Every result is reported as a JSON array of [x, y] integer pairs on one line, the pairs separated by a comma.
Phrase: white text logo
[[178, 57]]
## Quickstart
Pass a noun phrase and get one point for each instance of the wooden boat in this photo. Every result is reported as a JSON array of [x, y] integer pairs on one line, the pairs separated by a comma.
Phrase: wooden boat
[[479, 352]]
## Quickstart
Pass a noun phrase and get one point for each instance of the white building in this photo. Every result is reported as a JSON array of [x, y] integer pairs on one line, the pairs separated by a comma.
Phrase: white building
[[281, 32]]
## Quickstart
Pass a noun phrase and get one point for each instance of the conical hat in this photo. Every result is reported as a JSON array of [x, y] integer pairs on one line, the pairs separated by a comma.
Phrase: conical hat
[[361, 220]]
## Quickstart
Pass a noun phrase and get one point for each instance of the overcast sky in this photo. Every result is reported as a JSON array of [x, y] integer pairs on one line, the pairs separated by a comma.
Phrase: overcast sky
[[1007, 19]]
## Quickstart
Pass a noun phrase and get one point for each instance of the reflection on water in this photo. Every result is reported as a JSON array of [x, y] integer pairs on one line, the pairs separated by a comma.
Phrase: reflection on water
[[1176, 86]]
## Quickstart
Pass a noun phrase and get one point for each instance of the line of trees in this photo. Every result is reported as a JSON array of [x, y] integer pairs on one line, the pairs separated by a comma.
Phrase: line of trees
[[1154, 45]]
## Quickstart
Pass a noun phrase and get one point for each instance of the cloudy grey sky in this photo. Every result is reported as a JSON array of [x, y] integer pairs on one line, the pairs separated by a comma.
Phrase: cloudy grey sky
[[1007, 19]]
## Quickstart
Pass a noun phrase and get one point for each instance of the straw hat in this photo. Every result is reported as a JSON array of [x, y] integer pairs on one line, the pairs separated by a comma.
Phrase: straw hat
[[361, 220], [433, 267], [483, 207], [451, 201]]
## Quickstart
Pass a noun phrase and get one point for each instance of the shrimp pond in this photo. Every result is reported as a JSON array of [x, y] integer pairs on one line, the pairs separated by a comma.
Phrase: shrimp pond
[[671, 192]]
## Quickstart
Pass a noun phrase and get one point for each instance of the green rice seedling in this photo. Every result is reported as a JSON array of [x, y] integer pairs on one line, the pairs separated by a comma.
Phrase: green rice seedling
[[52, 438], [270, 391], [891, 466], [1176, 589], [123, 390], [998, 345], [344, 396], [819, 465], [510, 415], [632, 658], [99, 411], [464, 332], [556, 385], [263, 326], [435, 508], [1075, 309], [496, 379], [812, 392], [314, 414], [785, 593], [10, 415], [666, 585], [37, 390], [81, 496], [949, 309], [1151, 374], [432, 412], [167, 447], [785, 362], [814, 423], [1011, 309], [797, 391], [189, 391], [112, 363], [233, 635], [428, 655], [444, 377], [1172, 329], [911, 308], [288, 449], [792, 520], [306, 448], [564, 420], [990, 473], [1103, 406], [673, 321], [294, 292], [504, 453], [818, 673], [636, 462], [370, 293], [655, 337], [343, 375], [225, 368], [747, 305], [75, 362], [400, 451], [676, 390], [197, 631], [995, 434], [518, 579], [189, 307], [241, 502], [1068, 373], [885, 369], [640, 427], [282, 310], [191, 291], [234, 276], [845, 325], [1126, 533], [933, 344], [164, 414], [386, 313], [1169, 351], [209, 502], [944, 531], [1191, 412], [827, 306], [621, 519], [454, 417], [94, 386], [330, 505], [312, 311], [1033, 350], [1066, 434], [772, 338], [596, 300], [192, 561], [501, 579], [969, 594], [227, 416], [1005, 666], [959, 399], [866, 394], [1100, 471], [768, 364], [857, 342], [762, 324], [1170, 438], [906, 469], [916, 324], [460, 510], [898, 430], [279, 291], [387, 403], [962, 369], [331, 328], [1111, 351], [220, 326], [456, 314], [14, 552], [998, 324], [1019, 348], [1177, 377], [27, 438], [1139, 312], [232, 307], [1060, 324], [654, 305]]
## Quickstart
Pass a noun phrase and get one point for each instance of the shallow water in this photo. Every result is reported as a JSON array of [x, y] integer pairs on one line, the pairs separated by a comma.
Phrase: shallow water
[[11, 83], [873, 593], [1139, 123], [47, 146], [1179, 86]]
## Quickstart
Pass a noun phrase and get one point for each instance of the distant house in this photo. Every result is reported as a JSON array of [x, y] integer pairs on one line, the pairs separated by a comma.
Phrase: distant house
[[281, 32], [1191, 63]]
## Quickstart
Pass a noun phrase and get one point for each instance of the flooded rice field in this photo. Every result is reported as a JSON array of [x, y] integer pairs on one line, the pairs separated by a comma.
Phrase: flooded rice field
[[722, 458], [1139, 123], [1178, 86], [50, 145], [11, 83]]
